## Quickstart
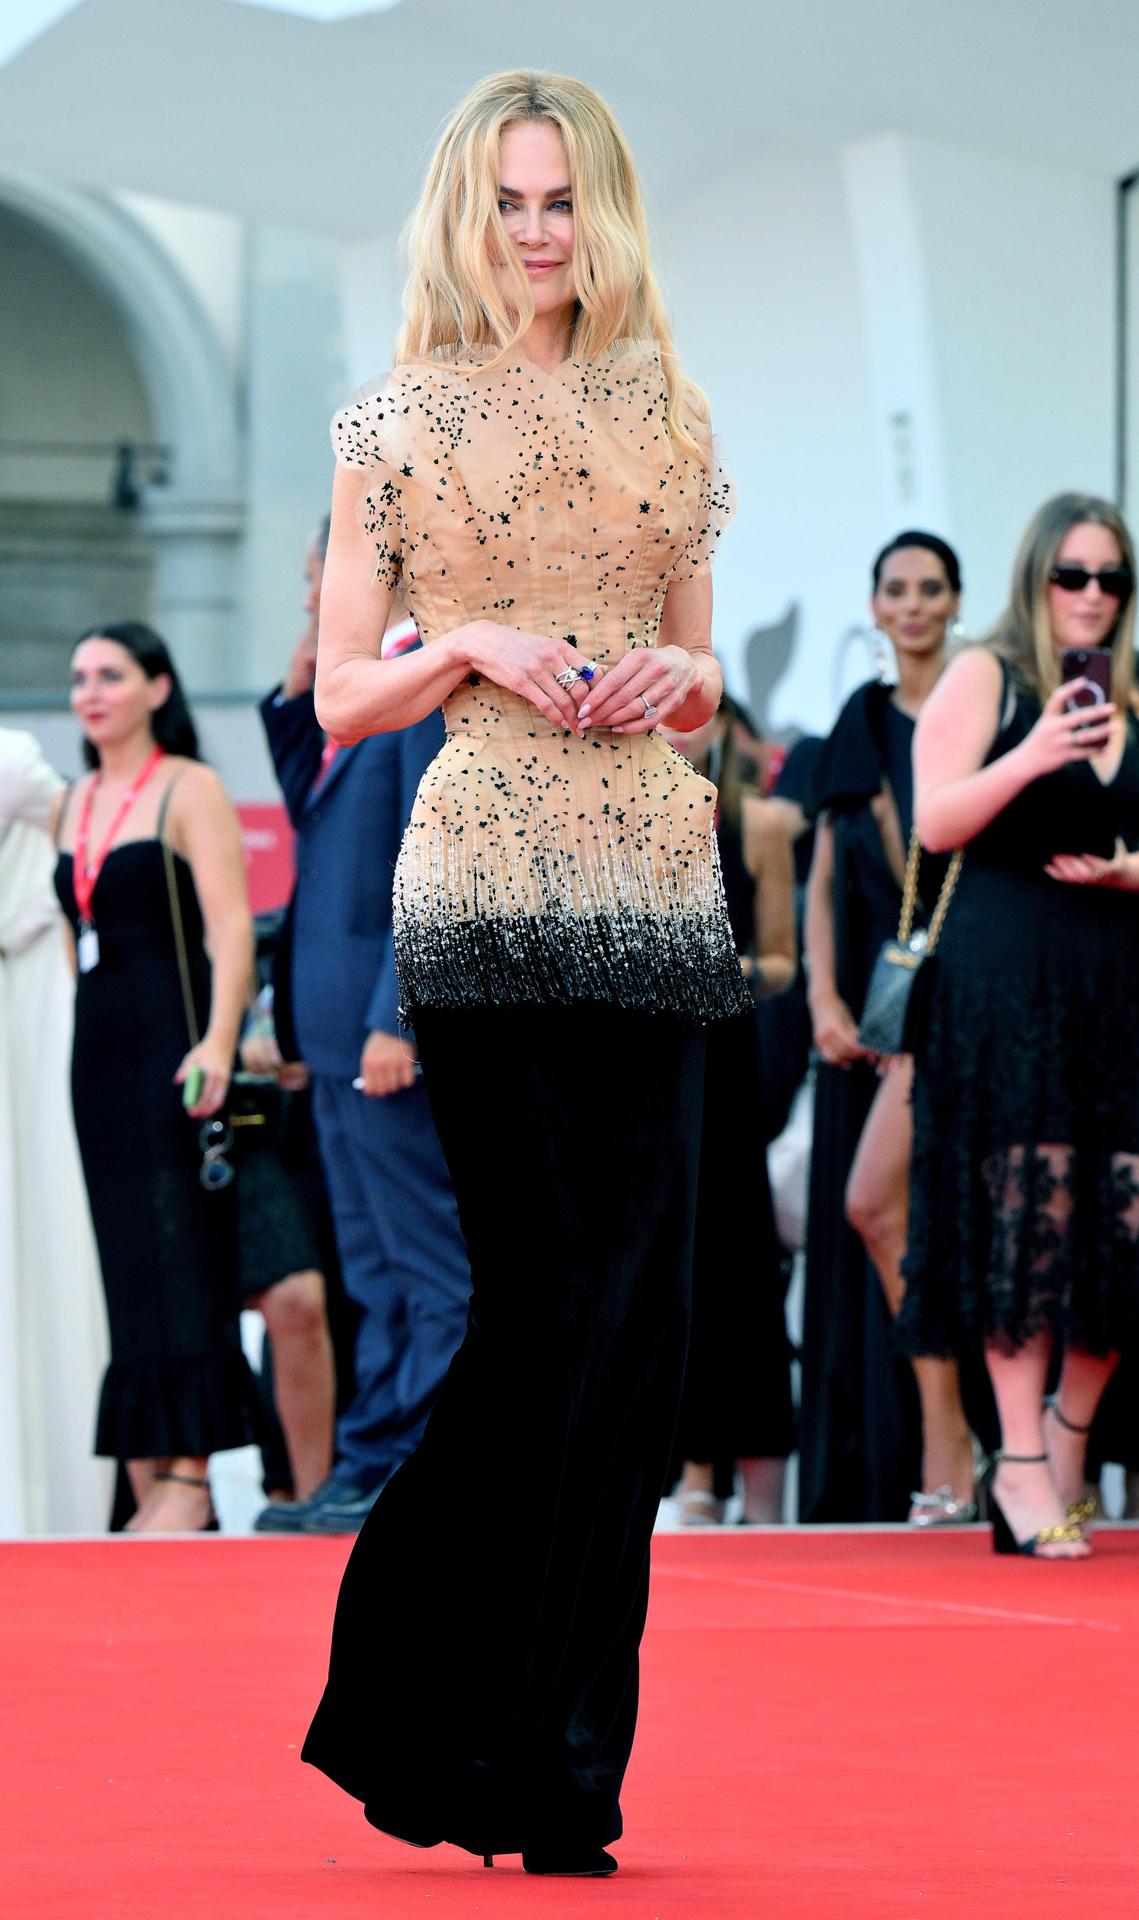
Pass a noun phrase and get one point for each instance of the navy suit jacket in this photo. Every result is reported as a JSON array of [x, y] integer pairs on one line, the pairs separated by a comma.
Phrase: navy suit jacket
[[343, 977]]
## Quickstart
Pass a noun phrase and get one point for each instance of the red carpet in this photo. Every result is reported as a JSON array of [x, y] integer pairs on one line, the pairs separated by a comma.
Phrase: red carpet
[[859, 1726]]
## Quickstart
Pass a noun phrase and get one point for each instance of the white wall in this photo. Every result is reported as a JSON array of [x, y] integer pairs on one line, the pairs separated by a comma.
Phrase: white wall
[[1019, 267], [760, 277], [208, 250]]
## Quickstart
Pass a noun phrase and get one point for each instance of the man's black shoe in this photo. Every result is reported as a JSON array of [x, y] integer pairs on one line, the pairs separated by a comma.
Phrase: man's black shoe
[[342, 1516], [298, 1516]]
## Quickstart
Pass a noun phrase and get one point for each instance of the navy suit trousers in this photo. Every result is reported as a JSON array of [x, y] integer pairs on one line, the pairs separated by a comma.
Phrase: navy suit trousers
[[404, 1262]]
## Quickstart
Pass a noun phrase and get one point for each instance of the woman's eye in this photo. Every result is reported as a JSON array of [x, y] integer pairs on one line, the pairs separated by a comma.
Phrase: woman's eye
[[566, 206], [506, 206], [931, 589]]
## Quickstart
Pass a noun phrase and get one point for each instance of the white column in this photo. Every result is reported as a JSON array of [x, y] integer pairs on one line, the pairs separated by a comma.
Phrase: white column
[[886, 230]]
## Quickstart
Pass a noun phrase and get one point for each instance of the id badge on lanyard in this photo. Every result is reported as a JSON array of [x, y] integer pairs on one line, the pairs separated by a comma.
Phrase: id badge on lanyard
[[86, 872]]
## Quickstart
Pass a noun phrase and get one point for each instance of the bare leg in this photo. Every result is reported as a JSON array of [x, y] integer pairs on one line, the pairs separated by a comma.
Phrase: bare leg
[[303, 1375], [1027, 1494], [1083, 1379], [762, 1483], [1084, 1376], [877, 1206], [696, 1501], [145, 1488], [179, 1505]]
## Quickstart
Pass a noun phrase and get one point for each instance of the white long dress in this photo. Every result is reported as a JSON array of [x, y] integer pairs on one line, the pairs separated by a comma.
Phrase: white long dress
[[53, 1340]]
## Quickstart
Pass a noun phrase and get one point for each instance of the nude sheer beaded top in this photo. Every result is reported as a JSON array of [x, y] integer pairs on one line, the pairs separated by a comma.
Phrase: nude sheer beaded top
[[540, 867]]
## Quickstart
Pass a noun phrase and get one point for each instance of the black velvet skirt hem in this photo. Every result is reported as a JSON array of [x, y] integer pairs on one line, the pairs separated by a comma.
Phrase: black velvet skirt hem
[[191, 1406]]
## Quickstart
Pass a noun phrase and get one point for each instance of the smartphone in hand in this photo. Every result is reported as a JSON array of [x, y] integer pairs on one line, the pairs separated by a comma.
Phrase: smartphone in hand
[[1087, 663]]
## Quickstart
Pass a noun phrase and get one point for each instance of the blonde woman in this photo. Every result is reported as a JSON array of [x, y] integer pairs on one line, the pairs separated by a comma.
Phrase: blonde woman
[[538, 474], [1024, 1214]]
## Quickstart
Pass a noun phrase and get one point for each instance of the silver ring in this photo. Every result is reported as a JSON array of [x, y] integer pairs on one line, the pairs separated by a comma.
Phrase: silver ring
[[566, 677], [649, 707]]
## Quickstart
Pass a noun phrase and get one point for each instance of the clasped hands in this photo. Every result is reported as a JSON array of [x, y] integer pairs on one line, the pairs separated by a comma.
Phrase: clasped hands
[[632, 696]]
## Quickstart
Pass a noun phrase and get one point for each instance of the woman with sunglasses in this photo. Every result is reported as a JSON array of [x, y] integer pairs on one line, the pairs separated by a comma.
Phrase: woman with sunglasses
[[152, 937], [1024, 1213]]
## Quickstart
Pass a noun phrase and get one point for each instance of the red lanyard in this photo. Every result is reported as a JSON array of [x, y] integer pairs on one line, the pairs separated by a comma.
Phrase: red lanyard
[[85, 873]]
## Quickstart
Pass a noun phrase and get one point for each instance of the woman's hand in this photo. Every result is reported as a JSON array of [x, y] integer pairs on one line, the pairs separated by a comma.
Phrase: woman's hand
[[1091, 870], [260, 1054], [387, 1065], [836, 1033], [1061, 736], [639, 692], [528, 664], [216, 1063]]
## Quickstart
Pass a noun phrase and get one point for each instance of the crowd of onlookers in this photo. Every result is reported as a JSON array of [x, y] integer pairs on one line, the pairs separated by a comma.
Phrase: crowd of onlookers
[[308, 1184]]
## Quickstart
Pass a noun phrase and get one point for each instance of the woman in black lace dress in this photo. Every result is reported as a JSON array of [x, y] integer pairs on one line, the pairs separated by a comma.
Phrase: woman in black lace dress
[[1024, 1218]]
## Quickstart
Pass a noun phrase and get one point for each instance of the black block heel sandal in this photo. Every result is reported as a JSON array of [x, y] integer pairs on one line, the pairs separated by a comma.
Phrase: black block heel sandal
[[1004, 1539]]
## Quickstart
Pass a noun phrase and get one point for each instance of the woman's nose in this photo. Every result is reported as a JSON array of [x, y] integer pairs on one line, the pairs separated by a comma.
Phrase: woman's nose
[[533, 226]]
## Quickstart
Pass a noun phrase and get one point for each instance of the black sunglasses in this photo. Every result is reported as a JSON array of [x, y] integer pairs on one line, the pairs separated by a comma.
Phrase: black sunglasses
[[1114, 581], [215, 1140]]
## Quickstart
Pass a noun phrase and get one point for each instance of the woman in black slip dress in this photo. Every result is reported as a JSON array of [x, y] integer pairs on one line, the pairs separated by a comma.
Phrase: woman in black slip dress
[[1024, 1218], [864, 1433], [178, 1387], [736, 1417], [542, 480]]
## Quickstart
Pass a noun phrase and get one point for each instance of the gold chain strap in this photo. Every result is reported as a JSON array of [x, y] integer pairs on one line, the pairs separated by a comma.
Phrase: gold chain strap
[[910, 895], [180, 942]]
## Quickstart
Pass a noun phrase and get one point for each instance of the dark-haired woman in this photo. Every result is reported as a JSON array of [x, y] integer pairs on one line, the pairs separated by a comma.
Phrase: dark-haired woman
[[1025, 1197], [177, 1388], [736, 1414], [860, 1433]]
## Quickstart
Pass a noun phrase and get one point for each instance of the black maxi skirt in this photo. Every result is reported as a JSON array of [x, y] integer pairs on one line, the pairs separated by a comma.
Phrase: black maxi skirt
[[483, 1678]]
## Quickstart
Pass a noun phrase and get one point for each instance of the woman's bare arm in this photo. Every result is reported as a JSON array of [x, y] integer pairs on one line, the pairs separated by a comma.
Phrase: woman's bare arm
[[833, 1024], [204, 828], [358, 694], [955, 796], [767, 856]]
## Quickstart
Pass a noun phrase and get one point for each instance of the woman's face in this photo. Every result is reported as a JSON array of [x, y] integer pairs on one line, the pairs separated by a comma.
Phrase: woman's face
[[1084, 617], [111, 696], [536, 204], [913, 602]]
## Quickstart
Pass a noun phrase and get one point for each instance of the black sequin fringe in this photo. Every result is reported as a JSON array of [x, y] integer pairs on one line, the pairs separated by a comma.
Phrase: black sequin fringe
[[681, 964]]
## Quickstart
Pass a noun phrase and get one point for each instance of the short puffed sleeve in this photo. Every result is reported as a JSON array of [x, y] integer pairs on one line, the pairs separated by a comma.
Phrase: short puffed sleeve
[[713, 502], [364, 437]]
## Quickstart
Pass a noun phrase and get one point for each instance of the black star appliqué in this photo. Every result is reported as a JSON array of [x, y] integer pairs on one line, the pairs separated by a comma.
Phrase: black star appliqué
[[645, 506]]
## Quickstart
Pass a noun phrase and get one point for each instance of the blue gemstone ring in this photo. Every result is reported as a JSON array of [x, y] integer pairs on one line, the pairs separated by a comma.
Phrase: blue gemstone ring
[[589, 671]]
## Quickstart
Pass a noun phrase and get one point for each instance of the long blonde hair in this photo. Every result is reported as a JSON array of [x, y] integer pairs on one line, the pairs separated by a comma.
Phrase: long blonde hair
[[1023, 634], [456, 234]]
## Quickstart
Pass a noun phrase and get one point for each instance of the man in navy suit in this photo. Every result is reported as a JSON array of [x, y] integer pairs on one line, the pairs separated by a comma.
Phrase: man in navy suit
[[397, 1228]]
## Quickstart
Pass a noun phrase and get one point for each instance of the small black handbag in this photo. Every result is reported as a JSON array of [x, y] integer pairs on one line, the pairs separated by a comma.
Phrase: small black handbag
[[887, 1015]]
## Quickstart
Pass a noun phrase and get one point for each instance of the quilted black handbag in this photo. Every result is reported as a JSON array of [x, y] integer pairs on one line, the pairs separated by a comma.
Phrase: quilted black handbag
[[886, 1024]]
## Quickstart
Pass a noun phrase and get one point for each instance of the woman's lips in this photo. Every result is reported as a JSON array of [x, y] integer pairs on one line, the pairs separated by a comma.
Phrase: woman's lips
[[534, 267]]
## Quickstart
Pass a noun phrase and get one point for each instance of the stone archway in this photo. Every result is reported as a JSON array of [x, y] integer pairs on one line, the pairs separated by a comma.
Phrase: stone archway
[[195, 522]]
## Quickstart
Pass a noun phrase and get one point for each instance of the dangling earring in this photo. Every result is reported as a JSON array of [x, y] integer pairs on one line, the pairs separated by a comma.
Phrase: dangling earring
[[884, 662], [955, 631]]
